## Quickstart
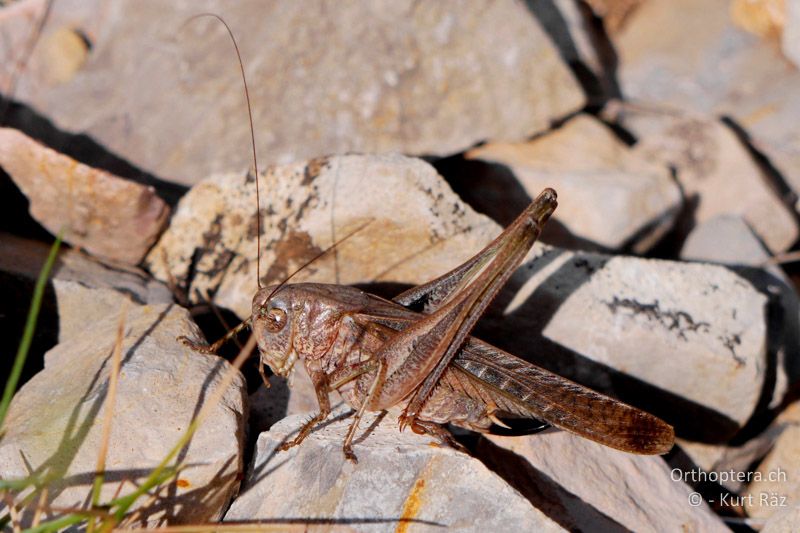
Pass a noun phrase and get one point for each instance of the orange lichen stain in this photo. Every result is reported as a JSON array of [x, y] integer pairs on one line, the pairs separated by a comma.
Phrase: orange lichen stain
[[759, 114], [411, 506], [183, 484]]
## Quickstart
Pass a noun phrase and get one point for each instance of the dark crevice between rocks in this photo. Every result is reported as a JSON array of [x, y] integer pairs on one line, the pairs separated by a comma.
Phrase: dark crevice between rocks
[[671, 243], [598, 89], [84, 149], [15, 216], [16, 293]]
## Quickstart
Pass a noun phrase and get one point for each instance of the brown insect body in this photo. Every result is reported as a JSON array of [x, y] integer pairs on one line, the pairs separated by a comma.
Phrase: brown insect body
[[380, 355], [384, 355]]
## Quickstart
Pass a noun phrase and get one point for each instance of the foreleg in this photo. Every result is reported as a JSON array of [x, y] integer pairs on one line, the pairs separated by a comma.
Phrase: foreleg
[[320, 381]]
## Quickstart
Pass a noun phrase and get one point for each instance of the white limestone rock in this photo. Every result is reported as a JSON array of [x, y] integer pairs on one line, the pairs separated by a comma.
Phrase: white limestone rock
[[387, 76]]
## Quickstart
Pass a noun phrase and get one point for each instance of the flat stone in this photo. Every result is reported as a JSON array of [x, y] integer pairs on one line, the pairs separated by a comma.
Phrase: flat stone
[[54, 425], [367, 77], [401, 480], [717, 173], [608, 194], [776, 486], [411, 228], [653, 333], [102, 213], [692, 56], [726, 239], [590, 487]]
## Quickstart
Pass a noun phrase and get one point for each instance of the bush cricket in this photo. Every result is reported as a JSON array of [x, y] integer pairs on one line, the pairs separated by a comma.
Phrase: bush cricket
[[413, 354]]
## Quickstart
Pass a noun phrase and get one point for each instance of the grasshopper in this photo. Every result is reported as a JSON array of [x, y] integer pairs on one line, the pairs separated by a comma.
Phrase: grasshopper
[[413, 354]]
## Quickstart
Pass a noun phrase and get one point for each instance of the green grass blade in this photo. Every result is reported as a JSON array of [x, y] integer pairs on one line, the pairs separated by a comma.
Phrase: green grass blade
[[30, 327], [57, 524]]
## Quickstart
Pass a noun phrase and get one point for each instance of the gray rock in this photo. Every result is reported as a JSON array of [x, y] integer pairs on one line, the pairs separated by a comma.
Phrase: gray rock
[[368, 77], [791, 33], [725, 239], [54, 425], [401, 479], [690, 55], [592, 487], [102, 213], [416, 228], [608, 194], [715, 170]]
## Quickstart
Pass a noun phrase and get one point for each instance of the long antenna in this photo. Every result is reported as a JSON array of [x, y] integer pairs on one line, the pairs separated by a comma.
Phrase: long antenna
[[252, 135]]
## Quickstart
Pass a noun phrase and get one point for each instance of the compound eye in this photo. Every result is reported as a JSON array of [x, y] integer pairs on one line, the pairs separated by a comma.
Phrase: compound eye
[[276, 319]]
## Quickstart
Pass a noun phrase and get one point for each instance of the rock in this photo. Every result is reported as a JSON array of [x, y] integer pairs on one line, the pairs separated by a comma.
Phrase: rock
[[730, 464], [728, 239], [717, 173], [653, 333], [791, 33], [64, 53], [783, 520], [688, 55], [416, 228], [79, 307], [16, 22], [372, 77], [569, 25], [162, 385], [401, 480], [724, 239], [102, 213], [775, 486], [608, 195], [591, 487], [86, 291]]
